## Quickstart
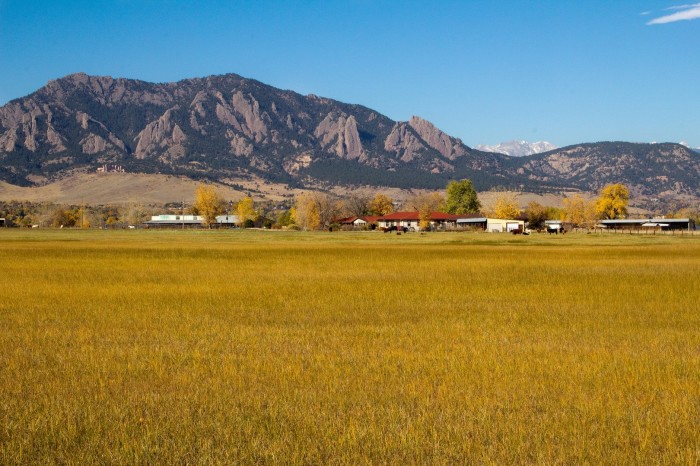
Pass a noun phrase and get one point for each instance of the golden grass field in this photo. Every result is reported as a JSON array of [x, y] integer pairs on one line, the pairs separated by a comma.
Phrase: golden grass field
[[176, 347]]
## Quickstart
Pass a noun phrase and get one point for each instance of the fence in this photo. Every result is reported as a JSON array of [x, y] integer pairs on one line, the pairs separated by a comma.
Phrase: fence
[[640, 231]]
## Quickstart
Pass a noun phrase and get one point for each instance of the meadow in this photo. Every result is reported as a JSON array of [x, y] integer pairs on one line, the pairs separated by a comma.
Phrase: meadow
[[210, 347]]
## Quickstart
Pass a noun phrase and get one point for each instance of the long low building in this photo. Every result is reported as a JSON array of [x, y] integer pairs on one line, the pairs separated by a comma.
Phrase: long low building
[[494, 225], [649, 223], [411, 220], [192, 221], [443, 221]]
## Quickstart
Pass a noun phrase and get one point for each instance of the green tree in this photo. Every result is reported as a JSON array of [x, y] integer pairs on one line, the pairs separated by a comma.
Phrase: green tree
[[613, 201], [462, 198], [536, 215], [208, 204], [285, 218]]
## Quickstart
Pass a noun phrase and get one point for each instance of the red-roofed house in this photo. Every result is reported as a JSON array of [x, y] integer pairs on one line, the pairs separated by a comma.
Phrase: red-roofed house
[[359, 222]]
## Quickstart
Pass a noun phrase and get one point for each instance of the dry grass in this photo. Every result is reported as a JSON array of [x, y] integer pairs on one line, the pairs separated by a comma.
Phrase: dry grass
[[245, 347]]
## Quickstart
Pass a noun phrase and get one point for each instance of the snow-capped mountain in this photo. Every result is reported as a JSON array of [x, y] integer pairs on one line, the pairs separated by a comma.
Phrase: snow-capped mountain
[[519, 148], [684, 143]]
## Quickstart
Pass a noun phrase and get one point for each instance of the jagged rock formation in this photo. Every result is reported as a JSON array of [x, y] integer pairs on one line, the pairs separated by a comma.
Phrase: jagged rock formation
[[449, 147], [161, 135], [338, 135], [227, 127]]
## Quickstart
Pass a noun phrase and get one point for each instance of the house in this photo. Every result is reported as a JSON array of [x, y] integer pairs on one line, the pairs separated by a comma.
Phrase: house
[[411, 221], [649, 223], [366, 221], [493, 225]]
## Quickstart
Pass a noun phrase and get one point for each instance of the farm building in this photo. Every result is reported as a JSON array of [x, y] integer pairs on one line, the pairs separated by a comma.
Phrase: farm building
[[496, 225], [227, 220], [191, 221], [365, 221], [2, 222], [557, 226], [649, 223], [411, 220]]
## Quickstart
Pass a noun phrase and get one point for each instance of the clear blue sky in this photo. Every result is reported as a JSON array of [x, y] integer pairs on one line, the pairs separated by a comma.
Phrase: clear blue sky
[[487, 71]]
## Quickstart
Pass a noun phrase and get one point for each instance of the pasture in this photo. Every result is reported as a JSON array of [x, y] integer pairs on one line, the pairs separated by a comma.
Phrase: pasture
[[348, 348]]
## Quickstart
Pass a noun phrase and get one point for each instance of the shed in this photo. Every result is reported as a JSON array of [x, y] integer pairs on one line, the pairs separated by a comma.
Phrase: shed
[[494, 225]]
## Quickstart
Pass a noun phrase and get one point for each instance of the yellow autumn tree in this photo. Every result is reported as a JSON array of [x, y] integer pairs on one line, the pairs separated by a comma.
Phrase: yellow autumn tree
[[307, 214], [82, 218], [245, 210], [381, 205], [506, 206], [613, 201], [208, 204], [580, 212]]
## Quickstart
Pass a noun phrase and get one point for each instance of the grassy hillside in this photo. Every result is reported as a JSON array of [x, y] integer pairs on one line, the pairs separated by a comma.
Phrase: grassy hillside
[[268, 347]]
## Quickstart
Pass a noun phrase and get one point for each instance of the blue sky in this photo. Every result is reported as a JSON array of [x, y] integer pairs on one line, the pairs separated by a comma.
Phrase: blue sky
[[486, 71]]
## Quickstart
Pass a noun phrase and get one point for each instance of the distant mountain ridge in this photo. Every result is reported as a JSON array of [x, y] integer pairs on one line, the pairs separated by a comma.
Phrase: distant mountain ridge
[[657, 170], [516, 148], [220, 127], [226, 128]]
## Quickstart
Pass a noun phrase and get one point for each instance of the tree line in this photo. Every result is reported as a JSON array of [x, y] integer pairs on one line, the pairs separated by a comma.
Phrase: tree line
[[315, 210]]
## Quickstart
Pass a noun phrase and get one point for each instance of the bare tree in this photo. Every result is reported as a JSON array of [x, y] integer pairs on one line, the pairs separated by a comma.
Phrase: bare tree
[[357, 204]]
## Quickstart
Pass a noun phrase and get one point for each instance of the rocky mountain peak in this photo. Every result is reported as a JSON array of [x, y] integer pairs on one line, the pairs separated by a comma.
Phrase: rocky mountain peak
[[449, 147]]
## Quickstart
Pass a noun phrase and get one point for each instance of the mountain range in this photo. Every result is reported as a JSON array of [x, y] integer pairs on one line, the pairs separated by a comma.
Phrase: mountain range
[[226, 128], [518, 148]]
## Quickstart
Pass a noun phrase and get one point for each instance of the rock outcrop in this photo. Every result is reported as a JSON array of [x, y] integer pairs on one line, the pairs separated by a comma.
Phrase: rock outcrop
[[449, 147], [338, 134], [404, 142], [163, 133]]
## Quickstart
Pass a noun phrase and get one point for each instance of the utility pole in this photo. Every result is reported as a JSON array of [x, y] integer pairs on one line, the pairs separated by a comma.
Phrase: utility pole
[[183, 215]]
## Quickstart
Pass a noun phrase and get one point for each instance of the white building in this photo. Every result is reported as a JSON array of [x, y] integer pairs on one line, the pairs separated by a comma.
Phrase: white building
[[174, 220], [493, 225]]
